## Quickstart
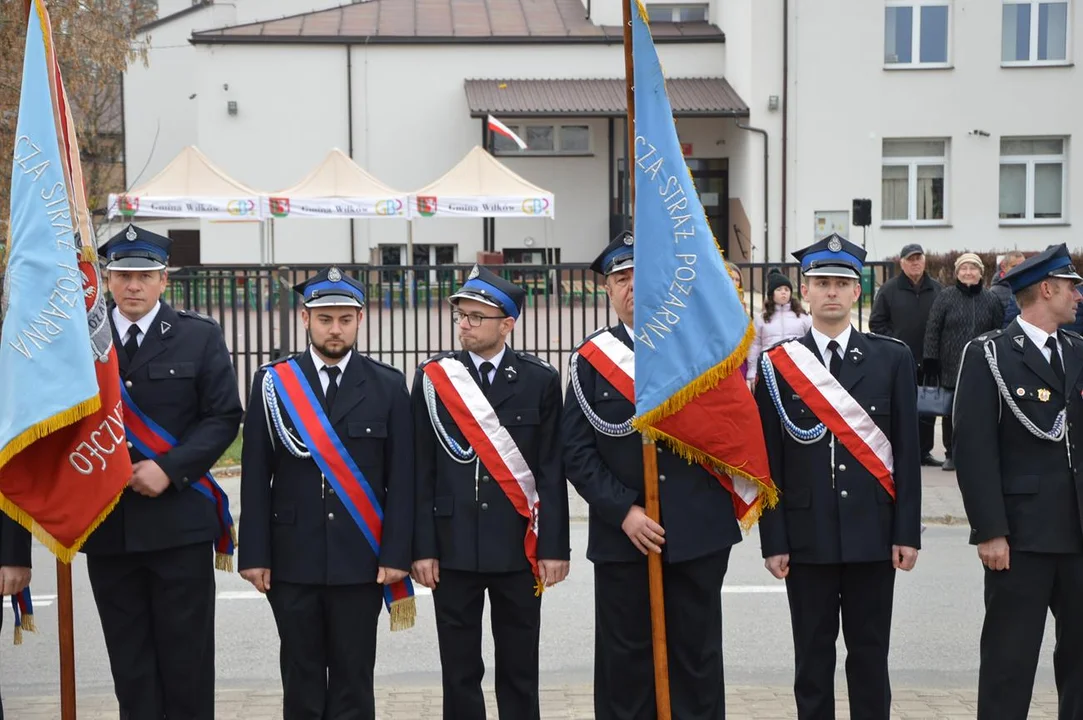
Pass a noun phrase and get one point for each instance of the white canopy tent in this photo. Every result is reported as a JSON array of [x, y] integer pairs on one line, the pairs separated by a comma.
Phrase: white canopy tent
[[479, 186], [337, 188], [189, 186]]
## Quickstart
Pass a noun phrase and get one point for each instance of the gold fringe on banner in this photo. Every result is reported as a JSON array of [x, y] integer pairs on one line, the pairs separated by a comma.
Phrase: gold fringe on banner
[[403, 613], [62, 552], [48, 426]]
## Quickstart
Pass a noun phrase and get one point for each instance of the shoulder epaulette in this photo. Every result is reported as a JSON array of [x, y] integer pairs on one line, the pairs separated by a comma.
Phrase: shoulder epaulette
[[276, 361], [1073, 334], [992, 334], [382, 364], [594, 334], [438, 356], [197, 316], [772, 346], [878, 336], [534, 360]]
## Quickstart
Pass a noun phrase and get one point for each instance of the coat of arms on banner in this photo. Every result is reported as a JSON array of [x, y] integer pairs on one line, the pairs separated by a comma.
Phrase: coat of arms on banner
[[128, 205], [280, 207], [426, 206]]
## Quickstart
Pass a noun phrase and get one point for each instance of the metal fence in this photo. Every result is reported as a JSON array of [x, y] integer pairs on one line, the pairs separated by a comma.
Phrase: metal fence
[[408, 319]]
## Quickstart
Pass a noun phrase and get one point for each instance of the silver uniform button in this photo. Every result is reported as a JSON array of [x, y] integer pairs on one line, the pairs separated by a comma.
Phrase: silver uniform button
[[330, 516], [844, 494], [841, 466], [127, 383], [485, 506], [172, 371], [661, 478], [872, 407], [129, 443], [368, 430]]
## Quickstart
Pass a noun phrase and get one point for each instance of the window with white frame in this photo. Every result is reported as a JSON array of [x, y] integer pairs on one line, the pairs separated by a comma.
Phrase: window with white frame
[[545, 139], [1034, 33], [657, 13], [1033, 186], [917, 33], [913, 189]]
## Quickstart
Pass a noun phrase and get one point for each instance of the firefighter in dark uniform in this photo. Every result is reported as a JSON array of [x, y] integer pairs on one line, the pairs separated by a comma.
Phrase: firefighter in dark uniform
[[469, 536], [150, 561], [849, 513], [604, 461], [14, 561], [300, 543], [1018, 422]]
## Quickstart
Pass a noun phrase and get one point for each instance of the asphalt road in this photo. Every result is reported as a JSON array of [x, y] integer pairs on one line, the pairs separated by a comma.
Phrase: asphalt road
[[937, 623]]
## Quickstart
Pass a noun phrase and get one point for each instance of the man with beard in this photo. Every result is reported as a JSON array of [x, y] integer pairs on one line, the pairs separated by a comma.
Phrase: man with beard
[[1018, 416], [492, 503], [327, 482], [604, 460], [839, 413], [150, 561]]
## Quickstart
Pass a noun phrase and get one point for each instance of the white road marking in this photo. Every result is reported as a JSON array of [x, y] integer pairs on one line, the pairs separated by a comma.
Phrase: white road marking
[[754, 589], [257, 595]]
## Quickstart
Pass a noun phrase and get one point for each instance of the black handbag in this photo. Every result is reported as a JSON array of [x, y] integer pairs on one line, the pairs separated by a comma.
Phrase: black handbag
[[934, 400]]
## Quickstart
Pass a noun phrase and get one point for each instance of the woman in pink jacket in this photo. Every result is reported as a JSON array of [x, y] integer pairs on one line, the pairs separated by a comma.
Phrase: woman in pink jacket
[[783, 318]]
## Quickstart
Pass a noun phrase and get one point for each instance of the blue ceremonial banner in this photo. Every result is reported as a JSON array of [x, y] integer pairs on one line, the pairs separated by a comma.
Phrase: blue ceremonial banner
[[691, 330], [47, 377]]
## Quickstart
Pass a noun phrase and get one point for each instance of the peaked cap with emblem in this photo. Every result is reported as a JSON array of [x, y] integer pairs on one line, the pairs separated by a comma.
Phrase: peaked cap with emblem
[[1054, 261], [331, 287], [134, 248], [833, 256], [618, 255], [487, 287]]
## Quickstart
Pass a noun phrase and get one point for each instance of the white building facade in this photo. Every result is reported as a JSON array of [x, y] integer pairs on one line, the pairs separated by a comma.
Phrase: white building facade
[[956, 118]]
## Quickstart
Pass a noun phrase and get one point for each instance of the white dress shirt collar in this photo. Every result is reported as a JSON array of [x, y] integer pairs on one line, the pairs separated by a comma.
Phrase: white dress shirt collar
[[122, 324], [320, 364], [822, 340], [495, 360], [1038, 336]]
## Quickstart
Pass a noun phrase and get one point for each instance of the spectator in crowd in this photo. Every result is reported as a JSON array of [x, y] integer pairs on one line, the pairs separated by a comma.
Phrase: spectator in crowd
[[783, 318], [735, 275], [901, 311], [1002, 290], [959, 314]]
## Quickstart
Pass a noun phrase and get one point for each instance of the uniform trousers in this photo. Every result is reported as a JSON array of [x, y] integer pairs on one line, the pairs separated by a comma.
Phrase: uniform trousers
[[459, 599], [328, 648], [623, 651], [157, 615], [1016, 603], [863, 593]]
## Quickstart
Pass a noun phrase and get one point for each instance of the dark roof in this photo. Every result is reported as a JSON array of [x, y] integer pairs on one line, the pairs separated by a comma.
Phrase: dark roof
[[448, 21], [690, 97], [196, 7]]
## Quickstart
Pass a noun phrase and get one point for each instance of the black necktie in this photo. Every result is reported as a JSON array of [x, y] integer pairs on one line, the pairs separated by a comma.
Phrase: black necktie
[[484, 370], [1054, 360], [131, 344], [836, 360], [332, 385]]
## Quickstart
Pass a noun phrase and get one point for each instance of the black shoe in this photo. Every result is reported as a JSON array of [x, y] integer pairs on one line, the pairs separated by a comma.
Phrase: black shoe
[[949, 465], [931, 461]]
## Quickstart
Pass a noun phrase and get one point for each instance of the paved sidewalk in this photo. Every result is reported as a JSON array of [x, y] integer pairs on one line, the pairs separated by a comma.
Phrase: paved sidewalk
[[569, 702]]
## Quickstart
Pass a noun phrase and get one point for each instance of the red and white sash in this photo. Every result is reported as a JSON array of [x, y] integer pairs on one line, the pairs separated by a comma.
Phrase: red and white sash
[[836, 408], [496, 448], [615, 361]]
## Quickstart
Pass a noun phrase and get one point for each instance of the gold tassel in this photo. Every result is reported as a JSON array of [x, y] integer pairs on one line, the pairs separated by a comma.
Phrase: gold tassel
[[28, 623], [403, 614], [539, 587], [223, 562], [18, 635]]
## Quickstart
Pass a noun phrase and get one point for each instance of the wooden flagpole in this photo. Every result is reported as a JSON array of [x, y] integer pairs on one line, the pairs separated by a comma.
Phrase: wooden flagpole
[[67, 640], [650, 453]]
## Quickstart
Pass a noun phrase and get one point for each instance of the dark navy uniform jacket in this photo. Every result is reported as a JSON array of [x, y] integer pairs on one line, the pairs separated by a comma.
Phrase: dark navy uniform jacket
[[464, 519], [831, 509], [183, 379], [696, 511], [1013, 483], [294, 522]]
